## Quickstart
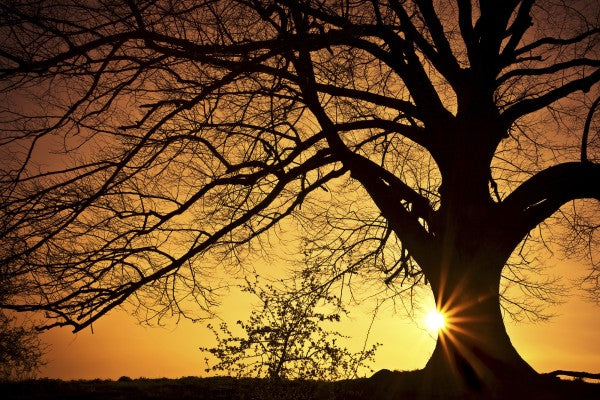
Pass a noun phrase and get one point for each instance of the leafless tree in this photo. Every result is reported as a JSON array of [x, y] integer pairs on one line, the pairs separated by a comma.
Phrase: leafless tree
[[148, 144]]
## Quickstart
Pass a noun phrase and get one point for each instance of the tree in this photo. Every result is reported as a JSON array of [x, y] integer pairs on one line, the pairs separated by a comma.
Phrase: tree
[[21, 350], [182, 133], [284, 337]]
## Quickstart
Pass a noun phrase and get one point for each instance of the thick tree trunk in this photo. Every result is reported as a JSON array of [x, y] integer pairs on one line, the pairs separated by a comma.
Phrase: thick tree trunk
[[473, 353]]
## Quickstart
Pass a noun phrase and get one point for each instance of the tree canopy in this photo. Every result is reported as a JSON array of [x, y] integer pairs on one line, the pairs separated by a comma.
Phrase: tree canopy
[[147, 144]]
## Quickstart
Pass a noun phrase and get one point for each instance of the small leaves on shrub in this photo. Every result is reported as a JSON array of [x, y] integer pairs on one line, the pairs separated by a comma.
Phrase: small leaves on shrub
[[21, 350], [284, 337]]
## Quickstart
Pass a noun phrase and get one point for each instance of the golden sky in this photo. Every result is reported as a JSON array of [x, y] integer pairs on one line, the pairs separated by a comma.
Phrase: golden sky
[[119, 346]]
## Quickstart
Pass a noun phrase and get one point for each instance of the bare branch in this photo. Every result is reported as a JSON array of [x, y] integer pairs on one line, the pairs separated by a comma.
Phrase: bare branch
[[545, 192], [586, 129]]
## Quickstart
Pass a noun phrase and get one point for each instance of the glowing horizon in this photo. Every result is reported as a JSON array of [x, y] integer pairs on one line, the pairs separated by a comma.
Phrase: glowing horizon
[[121, 346]]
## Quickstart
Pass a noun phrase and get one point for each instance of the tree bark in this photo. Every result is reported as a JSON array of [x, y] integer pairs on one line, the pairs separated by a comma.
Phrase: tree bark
[[473, 353]]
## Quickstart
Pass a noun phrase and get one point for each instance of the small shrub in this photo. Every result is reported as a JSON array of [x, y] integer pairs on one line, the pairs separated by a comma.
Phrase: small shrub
[[285, 338], [21, 350]]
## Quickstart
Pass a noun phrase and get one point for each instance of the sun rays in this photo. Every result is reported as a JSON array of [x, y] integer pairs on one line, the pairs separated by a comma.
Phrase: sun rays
[[435, 321]]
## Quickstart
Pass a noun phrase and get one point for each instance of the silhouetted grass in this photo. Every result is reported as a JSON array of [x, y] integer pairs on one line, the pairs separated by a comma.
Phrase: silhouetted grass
[[390, 385]]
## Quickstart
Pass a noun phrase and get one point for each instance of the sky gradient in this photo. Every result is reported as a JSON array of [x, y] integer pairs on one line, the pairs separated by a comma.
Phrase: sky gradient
[[119, 346], [140, 196]]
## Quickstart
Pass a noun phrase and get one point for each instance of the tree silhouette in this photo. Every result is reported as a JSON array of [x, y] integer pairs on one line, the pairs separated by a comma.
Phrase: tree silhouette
[[21, 350], [284, 336], [179, 134]]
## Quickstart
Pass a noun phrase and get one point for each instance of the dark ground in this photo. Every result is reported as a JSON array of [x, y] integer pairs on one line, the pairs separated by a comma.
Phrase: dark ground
[[386, 385]]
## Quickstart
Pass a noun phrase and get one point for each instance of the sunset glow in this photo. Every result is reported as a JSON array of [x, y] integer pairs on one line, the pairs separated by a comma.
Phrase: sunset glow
[[434, 320], [302, 190]]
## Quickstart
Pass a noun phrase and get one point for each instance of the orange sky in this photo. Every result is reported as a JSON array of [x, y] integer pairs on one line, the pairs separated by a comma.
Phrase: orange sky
[[119, 346]]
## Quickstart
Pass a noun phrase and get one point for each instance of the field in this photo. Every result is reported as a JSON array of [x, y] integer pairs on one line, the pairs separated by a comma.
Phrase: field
[[387, 385]]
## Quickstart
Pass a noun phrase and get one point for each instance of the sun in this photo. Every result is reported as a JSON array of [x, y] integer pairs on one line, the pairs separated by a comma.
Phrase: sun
[[435, 321]]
